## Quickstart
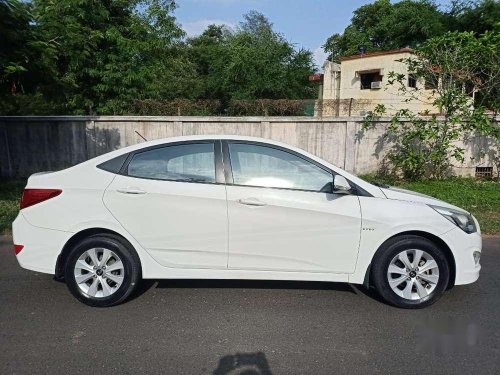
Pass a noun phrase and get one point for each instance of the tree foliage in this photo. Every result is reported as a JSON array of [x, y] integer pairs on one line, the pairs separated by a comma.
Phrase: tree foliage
[[472, 15], [101, 57], [108, 52], [254, 62], [26, 59], [383, 25], [459, 66]]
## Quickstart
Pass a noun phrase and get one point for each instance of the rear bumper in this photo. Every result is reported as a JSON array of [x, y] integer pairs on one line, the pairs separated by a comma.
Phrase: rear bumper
[[463, 246], [41, 246]]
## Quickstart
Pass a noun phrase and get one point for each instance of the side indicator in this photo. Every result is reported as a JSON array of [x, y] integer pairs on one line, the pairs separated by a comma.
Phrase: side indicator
[[18, 248]]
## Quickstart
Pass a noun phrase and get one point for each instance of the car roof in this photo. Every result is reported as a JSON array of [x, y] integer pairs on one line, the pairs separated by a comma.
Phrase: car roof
[[209, 137], [187, 138]]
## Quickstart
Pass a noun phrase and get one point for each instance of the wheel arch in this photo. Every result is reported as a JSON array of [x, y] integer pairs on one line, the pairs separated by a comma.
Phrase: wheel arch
[[77, 237], [431, 237]]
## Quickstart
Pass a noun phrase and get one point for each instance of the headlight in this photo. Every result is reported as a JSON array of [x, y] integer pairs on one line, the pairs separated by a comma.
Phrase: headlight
[[461, 219]]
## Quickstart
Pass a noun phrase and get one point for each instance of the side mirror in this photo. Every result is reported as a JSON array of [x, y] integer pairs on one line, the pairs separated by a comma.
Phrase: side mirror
[[341, 185]]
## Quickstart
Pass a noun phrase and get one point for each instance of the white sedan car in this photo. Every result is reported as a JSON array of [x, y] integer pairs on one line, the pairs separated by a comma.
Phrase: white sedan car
[[230, 207]]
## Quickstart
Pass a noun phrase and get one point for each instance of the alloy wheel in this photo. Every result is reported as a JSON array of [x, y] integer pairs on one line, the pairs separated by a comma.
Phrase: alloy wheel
[[99, 272], [413, 274]]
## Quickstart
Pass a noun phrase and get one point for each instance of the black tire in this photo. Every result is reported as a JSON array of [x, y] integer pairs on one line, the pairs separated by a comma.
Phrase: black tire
[[131, 269], [388, 251]]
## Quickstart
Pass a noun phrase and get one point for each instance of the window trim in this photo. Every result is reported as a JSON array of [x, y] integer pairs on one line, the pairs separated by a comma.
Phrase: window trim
[[218, 161], [228, 168], [223, 168]]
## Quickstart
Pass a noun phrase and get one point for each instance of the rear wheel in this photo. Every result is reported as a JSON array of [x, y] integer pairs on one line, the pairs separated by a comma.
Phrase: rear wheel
[[410, 272], [102, 270]]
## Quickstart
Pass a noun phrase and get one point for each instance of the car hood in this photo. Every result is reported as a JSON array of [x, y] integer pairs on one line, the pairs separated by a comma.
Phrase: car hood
[[412, 196]]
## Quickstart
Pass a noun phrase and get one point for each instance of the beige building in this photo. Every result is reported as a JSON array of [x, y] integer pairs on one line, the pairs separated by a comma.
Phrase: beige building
[[360, 82]]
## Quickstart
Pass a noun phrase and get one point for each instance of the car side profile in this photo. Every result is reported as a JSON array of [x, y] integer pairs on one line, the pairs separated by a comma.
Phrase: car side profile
[[232, 207]]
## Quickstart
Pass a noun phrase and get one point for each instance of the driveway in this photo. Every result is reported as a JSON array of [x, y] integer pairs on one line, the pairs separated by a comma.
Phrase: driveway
[[229, 327]]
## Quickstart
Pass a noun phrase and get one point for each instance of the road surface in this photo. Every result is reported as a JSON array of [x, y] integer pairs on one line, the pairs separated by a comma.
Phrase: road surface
[[229, 327]]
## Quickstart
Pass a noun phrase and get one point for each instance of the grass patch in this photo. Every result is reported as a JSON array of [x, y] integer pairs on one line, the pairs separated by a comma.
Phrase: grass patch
[[10, 194], [481, 198]]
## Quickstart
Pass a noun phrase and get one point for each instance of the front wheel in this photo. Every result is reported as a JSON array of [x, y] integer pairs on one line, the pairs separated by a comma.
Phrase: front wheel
[[410, 272], [102, 270]]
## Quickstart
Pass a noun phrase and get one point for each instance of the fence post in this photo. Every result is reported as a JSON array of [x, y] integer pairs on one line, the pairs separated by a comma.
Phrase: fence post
[[7, 150], [350, 146]]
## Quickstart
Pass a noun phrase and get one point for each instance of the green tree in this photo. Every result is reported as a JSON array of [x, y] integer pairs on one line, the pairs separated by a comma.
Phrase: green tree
[[254, 62], [209, 53], [86, 56], [459, 66], [383, 25], [478, 16], [26, 60], [103, 57], [109, 52], [167, 66], [16, 34]]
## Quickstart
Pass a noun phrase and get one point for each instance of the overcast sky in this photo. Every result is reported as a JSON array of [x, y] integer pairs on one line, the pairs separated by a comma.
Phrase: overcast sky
[[306, 23]]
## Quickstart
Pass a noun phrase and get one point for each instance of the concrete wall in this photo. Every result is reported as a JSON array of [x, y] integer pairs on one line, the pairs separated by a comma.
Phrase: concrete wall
[[34, 144]]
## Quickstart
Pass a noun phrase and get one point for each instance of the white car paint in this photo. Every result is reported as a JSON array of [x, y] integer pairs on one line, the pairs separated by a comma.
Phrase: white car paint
[[411, 196], [190, 230], [295, 231], [180, 224]]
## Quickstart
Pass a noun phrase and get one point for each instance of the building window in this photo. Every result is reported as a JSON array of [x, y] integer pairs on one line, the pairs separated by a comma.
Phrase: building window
[[368, 78], [412, 81], [431, 83], [470, 89]]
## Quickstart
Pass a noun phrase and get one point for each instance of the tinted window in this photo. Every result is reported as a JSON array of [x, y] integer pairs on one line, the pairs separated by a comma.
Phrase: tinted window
[[187, 162], [114, 165], [255, 165]]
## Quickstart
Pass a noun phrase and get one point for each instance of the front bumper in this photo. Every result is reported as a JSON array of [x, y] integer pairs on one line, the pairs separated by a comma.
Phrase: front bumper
[[463, 246], [41, 246]]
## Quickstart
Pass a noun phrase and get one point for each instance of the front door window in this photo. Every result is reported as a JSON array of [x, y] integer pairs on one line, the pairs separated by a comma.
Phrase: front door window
[[255, 165]]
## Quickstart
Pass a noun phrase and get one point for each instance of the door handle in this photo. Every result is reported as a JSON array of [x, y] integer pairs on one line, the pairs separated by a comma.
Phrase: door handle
[[251, 202], [130, 190]]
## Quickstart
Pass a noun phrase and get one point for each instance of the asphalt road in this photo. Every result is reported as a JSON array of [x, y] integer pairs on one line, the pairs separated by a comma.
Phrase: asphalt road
[[236, 327]]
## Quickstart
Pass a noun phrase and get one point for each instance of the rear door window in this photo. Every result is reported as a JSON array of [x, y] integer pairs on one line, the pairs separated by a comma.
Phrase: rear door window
[[192, 162]]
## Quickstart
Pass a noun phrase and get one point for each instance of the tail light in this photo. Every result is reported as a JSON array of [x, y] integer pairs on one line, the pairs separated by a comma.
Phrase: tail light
[[18, 248], [33, 196]]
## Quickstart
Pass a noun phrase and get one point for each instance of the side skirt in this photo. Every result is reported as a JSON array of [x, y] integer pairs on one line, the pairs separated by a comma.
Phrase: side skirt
[[177, 273]]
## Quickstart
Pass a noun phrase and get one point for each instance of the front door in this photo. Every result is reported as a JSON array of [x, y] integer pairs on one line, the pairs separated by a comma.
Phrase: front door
[[283, 215], [169, 200]]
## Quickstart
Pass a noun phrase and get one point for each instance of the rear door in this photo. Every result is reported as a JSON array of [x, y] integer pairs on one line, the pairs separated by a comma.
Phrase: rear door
[[283, 215], [172, 200]]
